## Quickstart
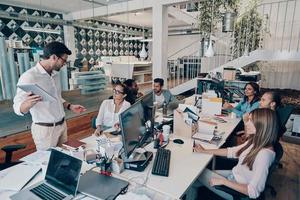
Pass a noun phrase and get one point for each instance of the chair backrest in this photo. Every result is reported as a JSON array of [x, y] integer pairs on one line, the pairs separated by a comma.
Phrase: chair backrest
[[93, 122], [284, 114], [279, 153]]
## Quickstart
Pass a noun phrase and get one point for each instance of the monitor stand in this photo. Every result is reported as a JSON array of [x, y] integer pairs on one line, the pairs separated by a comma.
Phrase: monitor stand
[[138, 161]]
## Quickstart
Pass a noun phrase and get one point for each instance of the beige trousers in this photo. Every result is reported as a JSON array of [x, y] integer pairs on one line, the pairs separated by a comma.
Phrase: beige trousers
[[45, 137]]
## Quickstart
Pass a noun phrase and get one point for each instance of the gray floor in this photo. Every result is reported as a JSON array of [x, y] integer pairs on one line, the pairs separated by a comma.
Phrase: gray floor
[[11, 123]]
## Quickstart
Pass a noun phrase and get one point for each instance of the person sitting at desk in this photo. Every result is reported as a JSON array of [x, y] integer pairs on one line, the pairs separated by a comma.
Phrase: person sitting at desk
[[249, 102], [110, 109], [161, 95], [255, 157], [134, 93], [271, 100]]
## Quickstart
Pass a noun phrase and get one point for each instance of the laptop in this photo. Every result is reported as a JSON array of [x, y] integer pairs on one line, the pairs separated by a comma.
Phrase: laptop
[[60, 183]]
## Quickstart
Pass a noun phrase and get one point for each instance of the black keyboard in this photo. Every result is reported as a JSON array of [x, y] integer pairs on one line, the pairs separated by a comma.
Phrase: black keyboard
[[161, 162], [45, 192]]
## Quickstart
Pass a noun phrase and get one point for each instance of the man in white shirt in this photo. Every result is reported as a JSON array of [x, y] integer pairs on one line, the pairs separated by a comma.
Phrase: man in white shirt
[[48, 128], [162, 96]]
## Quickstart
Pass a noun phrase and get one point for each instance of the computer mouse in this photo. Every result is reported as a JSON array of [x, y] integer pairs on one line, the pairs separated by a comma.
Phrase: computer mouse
[[178, 141]]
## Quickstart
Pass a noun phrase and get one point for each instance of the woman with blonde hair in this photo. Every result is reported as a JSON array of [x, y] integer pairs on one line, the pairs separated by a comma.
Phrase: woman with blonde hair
[[255, 157]]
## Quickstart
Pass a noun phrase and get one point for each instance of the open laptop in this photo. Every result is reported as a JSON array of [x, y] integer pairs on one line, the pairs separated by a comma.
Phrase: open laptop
[[60, 183]]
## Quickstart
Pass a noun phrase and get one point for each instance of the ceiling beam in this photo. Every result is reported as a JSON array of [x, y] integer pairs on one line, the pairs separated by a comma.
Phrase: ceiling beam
[[118, 8]]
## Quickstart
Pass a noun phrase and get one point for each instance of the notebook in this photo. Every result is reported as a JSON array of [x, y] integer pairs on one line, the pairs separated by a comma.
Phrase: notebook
[[100, 186], [21, 172]]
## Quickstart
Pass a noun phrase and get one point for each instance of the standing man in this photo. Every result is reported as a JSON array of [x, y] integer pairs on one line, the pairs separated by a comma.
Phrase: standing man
[[48, 128], [162, 96]]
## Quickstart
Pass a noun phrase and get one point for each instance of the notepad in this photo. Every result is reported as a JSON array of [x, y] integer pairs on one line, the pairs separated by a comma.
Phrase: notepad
[[73, 144], [16, 177], [203, 137]]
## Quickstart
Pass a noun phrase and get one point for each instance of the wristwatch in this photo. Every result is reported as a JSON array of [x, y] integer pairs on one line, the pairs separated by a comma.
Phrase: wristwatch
[[69, 105]]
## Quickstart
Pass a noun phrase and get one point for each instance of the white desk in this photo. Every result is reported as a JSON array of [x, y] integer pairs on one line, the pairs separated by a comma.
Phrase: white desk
[[185, 166]]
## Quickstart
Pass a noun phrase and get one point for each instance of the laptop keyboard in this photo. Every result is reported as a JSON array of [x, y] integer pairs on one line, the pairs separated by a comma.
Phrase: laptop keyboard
[[47, 193]]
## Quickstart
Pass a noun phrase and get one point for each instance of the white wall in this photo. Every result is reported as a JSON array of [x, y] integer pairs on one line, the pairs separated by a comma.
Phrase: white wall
[[178, 42], [283, 24]]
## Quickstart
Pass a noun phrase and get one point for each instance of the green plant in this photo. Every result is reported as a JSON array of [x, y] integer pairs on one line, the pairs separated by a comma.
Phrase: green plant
[[210, 13], [247, 34]]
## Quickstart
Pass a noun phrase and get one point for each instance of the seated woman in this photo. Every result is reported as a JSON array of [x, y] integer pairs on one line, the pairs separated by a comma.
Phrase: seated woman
[[255, 157], [271, 100], [249, 103], [110, 109]]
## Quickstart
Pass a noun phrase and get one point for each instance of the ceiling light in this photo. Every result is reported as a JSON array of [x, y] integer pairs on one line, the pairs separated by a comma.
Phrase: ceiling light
[[43, 30], [210, 51], [133, 38], [143, 53], [147, 40]]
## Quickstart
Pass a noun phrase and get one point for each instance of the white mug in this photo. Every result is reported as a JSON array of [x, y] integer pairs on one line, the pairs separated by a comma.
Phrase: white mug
[[233, 115], [166, 132]]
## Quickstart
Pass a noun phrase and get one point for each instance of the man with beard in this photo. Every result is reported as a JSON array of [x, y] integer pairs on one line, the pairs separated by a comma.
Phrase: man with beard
[[134, 93], [163, 95], [48, 128]]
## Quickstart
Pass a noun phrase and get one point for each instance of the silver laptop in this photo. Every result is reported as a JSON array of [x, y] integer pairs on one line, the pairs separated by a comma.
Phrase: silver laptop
[[61, 181]]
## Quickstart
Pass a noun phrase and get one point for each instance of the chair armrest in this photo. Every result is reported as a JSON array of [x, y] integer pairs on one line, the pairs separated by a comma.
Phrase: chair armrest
[[12, 148], [230, 191]]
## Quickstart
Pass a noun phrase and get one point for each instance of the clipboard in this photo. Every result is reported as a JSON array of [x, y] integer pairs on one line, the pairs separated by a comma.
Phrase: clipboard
[[37, 90]]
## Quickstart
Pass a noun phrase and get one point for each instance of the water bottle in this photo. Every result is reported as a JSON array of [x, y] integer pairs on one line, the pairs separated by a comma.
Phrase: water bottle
[[165, 109]]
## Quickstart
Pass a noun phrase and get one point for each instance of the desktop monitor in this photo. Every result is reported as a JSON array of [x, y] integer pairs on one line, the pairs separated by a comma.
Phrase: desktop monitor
[[204, 85], [132, 127], [149, 111]]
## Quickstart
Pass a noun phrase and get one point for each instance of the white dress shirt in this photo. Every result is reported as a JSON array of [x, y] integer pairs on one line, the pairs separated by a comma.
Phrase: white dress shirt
[[43, 111], [107, 116], [255, 178]]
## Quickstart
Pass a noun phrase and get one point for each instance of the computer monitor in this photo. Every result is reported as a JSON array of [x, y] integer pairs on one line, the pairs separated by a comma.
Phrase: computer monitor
[[149, 111], [133, 127]]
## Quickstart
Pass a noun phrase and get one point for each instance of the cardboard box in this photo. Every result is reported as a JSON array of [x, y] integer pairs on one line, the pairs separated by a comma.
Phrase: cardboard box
[[181, 128]]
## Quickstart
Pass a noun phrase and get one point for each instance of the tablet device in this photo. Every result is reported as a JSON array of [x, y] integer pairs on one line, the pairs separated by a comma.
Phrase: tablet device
[[37, 90]]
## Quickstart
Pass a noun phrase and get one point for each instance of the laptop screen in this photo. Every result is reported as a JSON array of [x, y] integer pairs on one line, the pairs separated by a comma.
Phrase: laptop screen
[[63, 172]]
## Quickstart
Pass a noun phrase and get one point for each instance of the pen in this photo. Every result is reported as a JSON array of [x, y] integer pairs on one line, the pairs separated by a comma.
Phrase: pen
[[194, 146]]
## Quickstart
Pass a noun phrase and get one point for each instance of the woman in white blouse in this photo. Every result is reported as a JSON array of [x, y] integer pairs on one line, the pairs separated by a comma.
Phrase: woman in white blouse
[[255, 156], [110, 109]]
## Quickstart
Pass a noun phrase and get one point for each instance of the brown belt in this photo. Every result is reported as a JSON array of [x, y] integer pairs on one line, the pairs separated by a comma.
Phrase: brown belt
[[51, 124]]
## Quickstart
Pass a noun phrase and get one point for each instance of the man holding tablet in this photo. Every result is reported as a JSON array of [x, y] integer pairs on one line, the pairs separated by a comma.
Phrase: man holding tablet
[[48, 128]]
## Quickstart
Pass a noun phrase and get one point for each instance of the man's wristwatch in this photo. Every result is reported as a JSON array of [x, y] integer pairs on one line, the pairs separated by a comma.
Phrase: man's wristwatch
[[68, 106]]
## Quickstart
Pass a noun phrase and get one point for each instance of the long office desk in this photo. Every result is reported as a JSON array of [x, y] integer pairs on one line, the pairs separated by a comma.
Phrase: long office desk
[[185, 166]]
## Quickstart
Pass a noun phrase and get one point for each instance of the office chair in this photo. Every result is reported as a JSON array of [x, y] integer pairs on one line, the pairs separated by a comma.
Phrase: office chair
[[238, 196], [284, 114], [9, 149]]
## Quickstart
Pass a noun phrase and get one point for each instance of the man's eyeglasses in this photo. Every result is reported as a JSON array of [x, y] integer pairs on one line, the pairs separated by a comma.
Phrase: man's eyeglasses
[[117, 91], [64, 60]]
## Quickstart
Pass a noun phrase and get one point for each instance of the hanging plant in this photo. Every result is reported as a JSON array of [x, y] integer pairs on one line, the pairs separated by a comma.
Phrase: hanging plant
[[210, 13], [247, 34]]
